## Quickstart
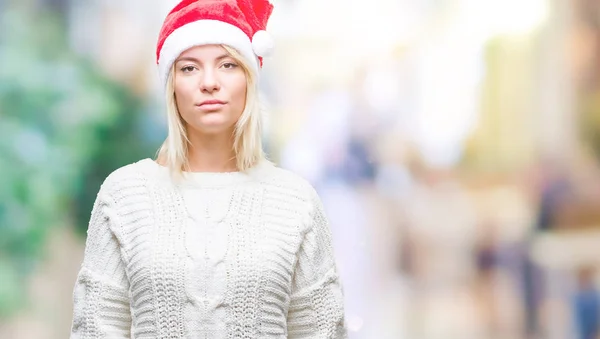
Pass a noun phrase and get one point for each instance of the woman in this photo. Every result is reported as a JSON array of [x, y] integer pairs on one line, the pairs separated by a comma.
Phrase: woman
[[210, 240]]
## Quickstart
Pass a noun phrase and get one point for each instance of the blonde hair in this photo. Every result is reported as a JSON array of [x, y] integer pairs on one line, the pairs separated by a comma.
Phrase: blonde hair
[[247, 144]]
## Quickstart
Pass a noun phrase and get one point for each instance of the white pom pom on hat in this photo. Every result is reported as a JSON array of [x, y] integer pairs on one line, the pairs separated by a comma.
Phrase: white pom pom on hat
[[263, 44]]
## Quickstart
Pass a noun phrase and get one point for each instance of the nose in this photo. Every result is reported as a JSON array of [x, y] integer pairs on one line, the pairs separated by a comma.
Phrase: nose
[[209, 81]]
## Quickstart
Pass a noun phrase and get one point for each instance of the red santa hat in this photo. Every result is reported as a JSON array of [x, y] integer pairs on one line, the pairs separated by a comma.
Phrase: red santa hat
[[239, 24]]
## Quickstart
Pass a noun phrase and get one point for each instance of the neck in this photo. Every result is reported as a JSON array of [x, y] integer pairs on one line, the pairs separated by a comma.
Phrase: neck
[[211, 153]]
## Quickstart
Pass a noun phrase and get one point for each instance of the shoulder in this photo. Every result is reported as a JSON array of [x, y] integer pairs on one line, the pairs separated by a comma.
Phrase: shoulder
[[126, 179], [290, 187], [295, 193]]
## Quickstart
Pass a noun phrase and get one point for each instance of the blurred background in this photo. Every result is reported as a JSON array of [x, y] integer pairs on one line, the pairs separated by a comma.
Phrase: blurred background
[[455, 144]]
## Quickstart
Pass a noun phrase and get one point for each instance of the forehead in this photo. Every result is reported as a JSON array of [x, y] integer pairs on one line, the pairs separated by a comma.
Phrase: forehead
[[204, 52]]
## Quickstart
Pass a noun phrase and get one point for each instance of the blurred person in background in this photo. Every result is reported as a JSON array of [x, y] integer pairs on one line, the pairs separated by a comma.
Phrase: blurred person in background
[[487, 264], [586, 305], [553, 190], [322, 152], [210, 239]]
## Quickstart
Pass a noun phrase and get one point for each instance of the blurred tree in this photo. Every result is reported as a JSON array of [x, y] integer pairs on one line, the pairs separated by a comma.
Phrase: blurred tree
[[64, 127]]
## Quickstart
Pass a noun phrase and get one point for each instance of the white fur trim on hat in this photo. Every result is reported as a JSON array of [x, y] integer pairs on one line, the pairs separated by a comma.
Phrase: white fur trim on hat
[[204, 32]]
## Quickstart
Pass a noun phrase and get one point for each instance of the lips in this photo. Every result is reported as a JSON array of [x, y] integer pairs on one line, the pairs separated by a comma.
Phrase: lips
[[211, 105], [212, 102]]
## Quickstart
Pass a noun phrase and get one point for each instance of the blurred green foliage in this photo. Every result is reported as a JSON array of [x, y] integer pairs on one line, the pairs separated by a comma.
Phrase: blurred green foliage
[[64, 128]]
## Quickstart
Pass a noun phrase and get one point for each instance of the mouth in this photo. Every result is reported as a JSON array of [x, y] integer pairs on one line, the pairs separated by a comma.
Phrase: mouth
[[211, 105]]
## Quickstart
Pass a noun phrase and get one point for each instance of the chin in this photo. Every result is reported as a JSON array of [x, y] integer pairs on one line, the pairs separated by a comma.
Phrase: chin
[[211, 123]]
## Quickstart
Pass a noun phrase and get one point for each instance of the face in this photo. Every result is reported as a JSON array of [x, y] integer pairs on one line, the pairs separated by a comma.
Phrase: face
[[210, 89]]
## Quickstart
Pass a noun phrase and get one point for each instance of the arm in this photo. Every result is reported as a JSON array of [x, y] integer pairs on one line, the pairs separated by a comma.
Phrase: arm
[[317, 302], [100, 296]]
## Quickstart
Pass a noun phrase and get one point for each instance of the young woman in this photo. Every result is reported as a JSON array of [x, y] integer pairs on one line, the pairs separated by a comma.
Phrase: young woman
[[210, 240]]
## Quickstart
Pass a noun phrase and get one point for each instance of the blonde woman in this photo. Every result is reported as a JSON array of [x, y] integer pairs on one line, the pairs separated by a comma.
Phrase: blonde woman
[[210, 240]]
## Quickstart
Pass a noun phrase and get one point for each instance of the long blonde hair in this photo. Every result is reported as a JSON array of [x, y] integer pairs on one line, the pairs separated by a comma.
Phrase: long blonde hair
[[247, 144]]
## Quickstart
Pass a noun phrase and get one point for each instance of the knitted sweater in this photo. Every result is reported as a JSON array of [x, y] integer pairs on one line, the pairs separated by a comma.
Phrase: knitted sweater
[[218, 255]]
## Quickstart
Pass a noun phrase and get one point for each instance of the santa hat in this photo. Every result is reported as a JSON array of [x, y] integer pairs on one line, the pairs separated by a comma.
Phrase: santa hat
[[239, 24]]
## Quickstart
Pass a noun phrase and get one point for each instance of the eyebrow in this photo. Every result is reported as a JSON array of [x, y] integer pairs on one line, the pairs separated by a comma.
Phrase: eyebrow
[[221, 57]]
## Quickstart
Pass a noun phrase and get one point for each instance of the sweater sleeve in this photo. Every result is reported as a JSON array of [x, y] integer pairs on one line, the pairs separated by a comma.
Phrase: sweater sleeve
[[100, 296], [317, 303]]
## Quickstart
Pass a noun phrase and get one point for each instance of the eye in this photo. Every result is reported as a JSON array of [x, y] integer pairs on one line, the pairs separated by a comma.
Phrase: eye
[[187, 69], [229, 65]]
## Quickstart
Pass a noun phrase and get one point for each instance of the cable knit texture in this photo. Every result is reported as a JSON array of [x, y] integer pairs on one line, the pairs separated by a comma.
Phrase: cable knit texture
[[218, 255]]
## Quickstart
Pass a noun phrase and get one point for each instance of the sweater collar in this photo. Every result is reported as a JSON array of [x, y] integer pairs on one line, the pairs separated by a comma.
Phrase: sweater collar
[[209, 179]]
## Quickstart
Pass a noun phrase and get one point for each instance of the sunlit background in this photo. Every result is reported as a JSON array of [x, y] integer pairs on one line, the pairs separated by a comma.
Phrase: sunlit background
[[455, 144]]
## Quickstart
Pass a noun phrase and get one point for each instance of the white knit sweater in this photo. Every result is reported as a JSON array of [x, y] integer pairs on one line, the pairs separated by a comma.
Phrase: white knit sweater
[[220, 255]]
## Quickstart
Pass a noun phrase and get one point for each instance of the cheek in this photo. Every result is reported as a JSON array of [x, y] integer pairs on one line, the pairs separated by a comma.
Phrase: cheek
[[183, 92], [184, 100], [240, 92]]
